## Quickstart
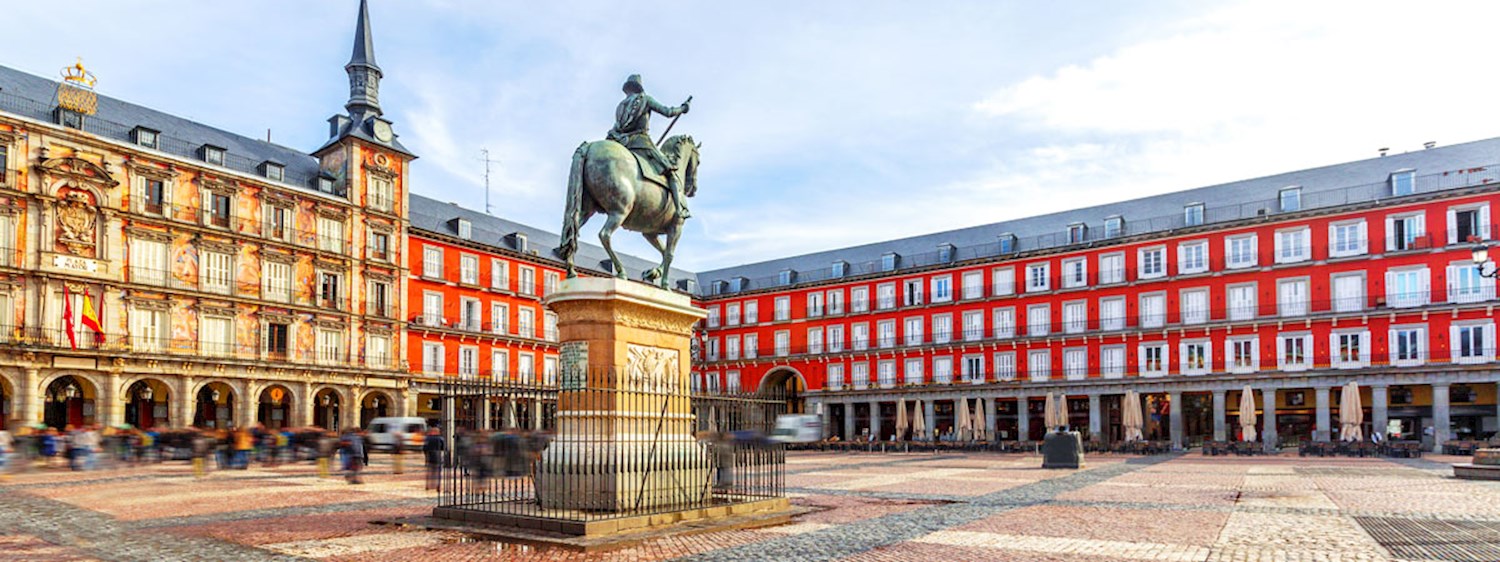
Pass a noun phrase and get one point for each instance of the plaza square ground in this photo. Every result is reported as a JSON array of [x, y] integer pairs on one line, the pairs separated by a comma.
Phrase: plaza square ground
[[861, 507]]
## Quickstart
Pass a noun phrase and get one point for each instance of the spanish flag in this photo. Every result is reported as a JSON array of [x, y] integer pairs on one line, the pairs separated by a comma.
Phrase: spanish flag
[[91, 318]]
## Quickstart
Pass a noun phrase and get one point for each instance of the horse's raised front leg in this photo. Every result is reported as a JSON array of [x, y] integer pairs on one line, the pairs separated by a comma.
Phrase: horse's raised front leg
[[611, 224]]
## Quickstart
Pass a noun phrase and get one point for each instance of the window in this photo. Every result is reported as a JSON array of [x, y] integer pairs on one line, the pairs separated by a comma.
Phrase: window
[[1350, 349], [216, 335], [1152, 263], [942, 370], [752, 312], [785, 276], [1292, 246], [468, 361], [330, 235], [499, 317], [783, 343], [885, 296], [1078, 233], [815, 340], [469, 314], [814, 304], [4, 164], [859, 299], [1038, 320], [1003, 281], [1473, 342], [330, 290], [550, 281], [525, 322], [279, 223], [432, 358], [783, 308], [1153, 312], [736, 285], [143, 137], [549, 373], [713, 316], [1407, 287], [1112, 361], [277, 339], [1242, 251], [836, 376], [1290, 199], [549, 325], [378, 301], [153, 195], [382, 194], [912, 373], [911, 292], [468, 269], [219, 207], [218, 272], [1349, 292], [1076, 363], [1197, 357], [752, 346], [1466, 285], [499, 274], [277, 281], [432, 309], [1154, 359], [860, 336], [1075, 317], [1242, 304], [1403, 183], [942, 328], [973, 284], [836, 339], [148, 261], [1291, 297], [912, 330], [1112, 313], [1038, 277], [945, 253], [1408, 345], [1114, 226], [148, 329], [1346, 239], [973, 369], [1405, 232], [380, 246], [1193, 305], [1468, 223], [526, 368], [839, 269], [1112, 268], [888, 262], [973, 325], [432, 262], [886, 371], [213, 155], [1192, 257], [1005, 322], [835, 300], [527, 280], [942, 288], [859, 375], [731, 314], [1075, 273], [1192, 215], [1007, 243], [885, 333], [1295, 352], [1243, 355], [1005, 366], [1039, 364], [273, 172]]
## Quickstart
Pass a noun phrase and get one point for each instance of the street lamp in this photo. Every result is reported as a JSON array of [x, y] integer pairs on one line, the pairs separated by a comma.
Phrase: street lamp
[[71, 391], [1481, 256], [146, 393]]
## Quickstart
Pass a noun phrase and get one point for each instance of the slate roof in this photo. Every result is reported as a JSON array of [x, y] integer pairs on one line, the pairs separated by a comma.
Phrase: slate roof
[[1436, 168], [436, 216], [34, 97]]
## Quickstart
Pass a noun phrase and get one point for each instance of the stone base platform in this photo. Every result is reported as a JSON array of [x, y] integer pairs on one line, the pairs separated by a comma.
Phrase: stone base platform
[[603, 534], [1476, 471]]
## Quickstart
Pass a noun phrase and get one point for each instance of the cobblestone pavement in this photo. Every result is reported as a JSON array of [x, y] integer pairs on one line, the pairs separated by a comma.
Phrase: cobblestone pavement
[[861, 506]]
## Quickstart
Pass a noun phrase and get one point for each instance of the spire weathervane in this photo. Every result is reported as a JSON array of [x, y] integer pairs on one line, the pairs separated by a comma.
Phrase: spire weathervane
[[364, 74]]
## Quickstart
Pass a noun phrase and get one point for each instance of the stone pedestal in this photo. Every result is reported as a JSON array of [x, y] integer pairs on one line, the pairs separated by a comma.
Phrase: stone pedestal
[[1486, 466], [624, 415]]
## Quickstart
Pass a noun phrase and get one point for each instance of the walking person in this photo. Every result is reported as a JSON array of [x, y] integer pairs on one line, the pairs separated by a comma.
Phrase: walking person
[[433, 448], [353, 448]]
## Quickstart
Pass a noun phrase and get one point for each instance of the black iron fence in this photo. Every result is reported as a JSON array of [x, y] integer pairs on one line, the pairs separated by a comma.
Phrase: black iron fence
[[603, 447]]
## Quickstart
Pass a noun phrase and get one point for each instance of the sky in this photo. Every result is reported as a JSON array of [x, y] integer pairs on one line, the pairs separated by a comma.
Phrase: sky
[[824, 124]]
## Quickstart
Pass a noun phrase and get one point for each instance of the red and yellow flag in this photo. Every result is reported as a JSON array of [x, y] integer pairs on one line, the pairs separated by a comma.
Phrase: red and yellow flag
[[91, 318]]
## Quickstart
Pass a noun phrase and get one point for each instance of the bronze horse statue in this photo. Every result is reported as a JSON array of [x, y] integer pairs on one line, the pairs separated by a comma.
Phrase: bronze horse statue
[[606, 178]]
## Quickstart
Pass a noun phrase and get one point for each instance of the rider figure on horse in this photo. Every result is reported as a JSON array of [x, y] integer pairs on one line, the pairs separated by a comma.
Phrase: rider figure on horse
[[632, 121]]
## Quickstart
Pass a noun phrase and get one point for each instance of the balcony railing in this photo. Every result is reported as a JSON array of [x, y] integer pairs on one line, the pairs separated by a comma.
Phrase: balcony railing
[[85, 340]]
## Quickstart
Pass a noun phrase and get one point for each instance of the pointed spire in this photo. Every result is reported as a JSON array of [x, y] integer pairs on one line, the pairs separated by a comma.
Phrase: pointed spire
[[364, 74], [364, 40]]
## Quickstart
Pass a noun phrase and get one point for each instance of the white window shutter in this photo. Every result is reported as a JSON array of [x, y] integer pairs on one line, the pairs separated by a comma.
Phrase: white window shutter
[[1364, 348], [1489, 342], [1333, 348], [1426, 287], [1277, 248], [1452, 226], [1452, 281], [1454, 347], [1140, 358], [1364, 237], [1484, 223], [1390, 234], [1208, 356]]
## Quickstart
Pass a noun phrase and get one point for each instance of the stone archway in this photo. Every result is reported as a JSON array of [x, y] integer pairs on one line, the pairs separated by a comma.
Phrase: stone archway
[[147, 403], [784, 384], [375, 404], [328, 405], [70, 400], [214, 406], [274, 408]]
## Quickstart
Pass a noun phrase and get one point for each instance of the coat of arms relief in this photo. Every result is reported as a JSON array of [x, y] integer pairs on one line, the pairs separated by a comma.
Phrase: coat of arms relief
[[76, 217], [651, 369]]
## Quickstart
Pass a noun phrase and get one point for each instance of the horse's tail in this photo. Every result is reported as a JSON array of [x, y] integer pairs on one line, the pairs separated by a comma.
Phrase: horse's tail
[[574, 208]]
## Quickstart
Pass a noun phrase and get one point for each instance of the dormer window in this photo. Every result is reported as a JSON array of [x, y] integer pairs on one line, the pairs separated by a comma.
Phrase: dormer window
[[325, 183], [212, 154], [272, 171], [889, 261], [720, 286], [1192, 215], [840, 269], [737, 284], [69, 118], [518, 240], [1077, 232], [1290, 199], [146, 137], [1403, 182], [945, 253], [464, 228], [1007, 243], [786, 277], [1114, 226]]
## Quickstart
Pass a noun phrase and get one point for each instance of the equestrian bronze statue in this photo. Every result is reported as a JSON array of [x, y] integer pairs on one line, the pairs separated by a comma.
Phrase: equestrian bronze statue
[[633, 182]]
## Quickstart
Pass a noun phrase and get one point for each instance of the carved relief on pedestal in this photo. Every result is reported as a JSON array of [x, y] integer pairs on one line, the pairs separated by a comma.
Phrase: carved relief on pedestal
[[651, 369]]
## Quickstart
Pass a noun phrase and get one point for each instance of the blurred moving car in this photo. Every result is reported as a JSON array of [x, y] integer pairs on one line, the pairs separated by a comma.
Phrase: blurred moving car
[[386, 433], [797, 428]]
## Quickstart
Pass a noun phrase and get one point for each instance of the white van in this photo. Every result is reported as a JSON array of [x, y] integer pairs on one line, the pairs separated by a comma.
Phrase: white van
[[797, 428], [384, 433]]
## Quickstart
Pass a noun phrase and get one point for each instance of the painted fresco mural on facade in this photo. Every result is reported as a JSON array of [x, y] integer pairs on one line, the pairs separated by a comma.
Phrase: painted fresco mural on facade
[[184, 255], [247, 278]]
